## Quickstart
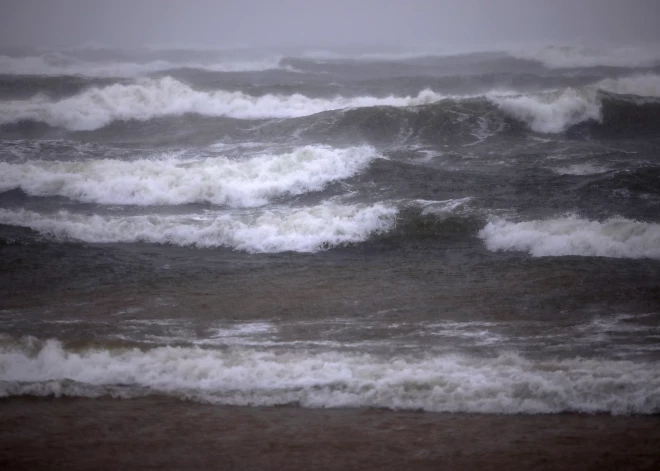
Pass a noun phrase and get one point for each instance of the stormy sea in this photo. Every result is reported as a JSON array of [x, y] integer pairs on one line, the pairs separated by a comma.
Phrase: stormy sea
[[475, 234]]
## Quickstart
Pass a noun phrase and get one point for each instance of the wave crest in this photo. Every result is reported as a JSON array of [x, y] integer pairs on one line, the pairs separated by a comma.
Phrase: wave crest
[[308, 229], [171, 181], [152, 98], [94, 108]]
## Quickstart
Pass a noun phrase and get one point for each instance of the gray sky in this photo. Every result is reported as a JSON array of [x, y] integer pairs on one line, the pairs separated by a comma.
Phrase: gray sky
[[60, 23]]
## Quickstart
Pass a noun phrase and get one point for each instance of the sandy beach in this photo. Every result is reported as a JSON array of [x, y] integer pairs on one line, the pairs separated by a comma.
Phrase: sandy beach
[[161, 433]]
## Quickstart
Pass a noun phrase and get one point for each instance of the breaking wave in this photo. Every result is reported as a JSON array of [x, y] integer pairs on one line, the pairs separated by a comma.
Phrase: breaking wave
[[309, 229], [616, 237], [552, 112], [172, 181], [508, 383], [557, 111], [546, 112], [151, 98]]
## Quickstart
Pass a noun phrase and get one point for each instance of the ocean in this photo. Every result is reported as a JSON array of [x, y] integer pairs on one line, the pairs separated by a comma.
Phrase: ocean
[[459, 233]]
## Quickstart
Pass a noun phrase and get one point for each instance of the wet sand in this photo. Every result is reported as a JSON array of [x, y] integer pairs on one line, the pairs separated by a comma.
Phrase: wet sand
[[162, 433]]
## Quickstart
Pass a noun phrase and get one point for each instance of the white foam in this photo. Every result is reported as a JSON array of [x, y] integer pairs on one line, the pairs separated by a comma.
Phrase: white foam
[[171, 181], [619, 238], [54, 64], [278, 230], [507, 383], [151, 98], [561, 57]]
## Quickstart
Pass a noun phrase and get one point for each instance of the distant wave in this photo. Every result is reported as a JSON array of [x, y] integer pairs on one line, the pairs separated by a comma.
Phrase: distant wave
[[61, 64], [171, 181], [331, 56], [118, 63], [260, 231], [551, 56], [504, 384], [616, 237], [564, 57]]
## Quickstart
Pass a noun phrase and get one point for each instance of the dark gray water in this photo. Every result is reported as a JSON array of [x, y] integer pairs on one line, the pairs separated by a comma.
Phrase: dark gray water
[[473, 233]]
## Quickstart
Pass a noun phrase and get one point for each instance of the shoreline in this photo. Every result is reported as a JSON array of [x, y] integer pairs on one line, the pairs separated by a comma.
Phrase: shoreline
[[166, 433]]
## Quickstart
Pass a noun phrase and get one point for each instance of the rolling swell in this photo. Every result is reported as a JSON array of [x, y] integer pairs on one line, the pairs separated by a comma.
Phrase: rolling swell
[[429, 116], [621, 105], [314, 228], [470, 121], [455, 121]]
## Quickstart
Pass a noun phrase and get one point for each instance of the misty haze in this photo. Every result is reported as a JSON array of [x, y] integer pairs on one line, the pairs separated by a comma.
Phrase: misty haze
[[298, 23], [329, 235]]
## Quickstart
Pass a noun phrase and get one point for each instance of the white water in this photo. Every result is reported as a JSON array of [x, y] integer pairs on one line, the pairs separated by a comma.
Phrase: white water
[[616, 237], [277, 230], [152, 98], [171, 181], [507, 383]]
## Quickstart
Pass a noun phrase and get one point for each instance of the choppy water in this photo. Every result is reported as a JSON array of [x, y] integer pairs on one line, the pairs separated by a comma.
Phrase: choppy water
[[476, 232]]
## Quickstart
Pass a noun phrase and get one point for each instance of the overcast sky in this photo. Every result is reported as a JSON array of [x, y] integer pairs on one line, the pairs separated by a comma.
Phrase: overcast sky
[[62, 23]]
